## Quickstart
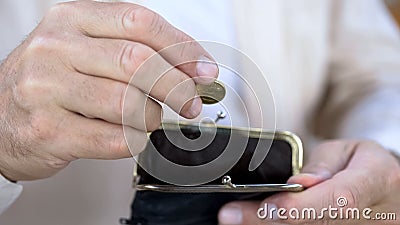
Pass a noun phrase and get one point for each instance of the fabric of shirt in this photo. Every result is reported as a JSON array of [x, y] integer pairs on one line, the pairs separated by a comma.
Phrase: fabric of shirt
[[332, 66], [8, 193]]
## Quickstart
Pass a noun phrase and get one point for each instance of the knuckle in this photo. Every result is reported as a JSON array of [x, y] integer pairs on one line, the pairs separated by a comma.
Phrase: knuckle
[[140, 20], [57, 9], [127, 18], [141, 53], [145, 19], [155, 23], [187, 49], [125, 58], [132, 110], [65, 13], [118, 108], [29, 85], [39, 44], [187, 42], [25, 87], [61, 10], [130, 55], [44, 42], [117, 146]]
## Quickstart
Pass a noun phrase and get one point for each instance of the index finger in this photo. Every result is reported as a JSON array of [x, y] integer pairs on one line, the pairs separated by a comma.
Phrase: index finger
[[136, 23]]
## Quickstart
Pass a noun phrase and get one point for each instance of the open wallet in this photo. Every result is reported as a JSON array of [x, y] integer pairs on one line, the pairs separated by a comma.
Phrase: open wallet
[[254, 165]]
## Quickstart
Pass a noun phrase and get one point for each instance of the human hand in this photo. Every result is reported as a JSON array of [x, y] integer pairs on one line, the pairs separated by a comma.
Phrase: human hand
[[359, 172], [62, 90]]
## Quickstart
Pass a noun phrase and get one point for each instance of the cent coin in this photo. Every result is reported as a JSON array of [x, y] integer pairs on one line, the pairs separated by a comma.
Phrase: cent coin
[[211, 93]]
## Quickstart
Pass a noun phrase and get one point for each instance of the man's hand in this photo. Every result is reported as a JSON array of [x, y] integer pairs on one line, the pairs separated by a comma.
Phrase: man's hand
[[363, 173], [61, 90]]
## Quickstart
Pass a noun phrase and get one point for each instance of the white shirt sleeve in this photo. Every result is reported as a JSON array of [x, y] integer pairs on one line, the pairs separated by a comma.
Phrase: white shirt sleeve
[[9, 192], [376, 116], [365, 74]]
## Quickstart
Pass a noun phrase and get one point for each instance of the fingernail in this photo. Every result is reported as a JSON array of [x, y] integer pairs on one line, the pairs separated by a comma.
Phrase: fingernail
[[206, 68], [231, 215], [196, 107]]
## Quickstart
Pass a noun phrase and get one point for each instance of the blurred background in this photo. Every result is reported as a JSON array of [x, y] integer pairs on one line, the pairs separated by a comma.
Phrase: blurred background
[[116, 190]]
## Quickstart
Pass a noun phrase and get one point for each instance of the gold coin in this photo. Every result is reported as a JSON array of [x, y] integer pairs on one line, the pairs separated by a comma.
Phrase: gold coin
[[211, 93]]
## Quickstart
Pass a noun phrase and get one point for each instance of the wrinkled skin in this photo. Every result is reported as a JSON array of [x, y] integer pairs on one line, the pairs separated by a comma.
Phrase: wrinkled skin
[[62, 90]]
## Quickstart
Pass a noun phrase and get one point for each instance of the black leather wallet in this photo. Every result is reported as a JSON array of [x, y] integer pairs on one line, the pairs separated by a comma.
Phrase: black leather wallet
[[157, 201]]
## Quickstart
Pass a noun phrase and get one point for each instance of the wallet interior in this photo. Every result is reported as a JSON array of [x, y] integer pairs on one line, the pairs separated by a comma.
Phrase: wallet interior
[[283, 153]]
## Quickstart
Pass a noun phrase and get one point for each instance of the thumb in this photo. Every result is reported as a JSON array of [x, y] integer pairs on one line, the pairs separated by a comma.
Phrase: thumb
[[240, 212], [319, 167], [352, 186], [323, 162]]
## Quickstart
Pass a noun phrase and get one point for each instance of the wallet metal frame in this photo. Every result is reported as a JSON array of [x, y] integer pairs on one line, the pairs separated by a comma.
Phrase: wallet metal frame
[[226, 183]]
